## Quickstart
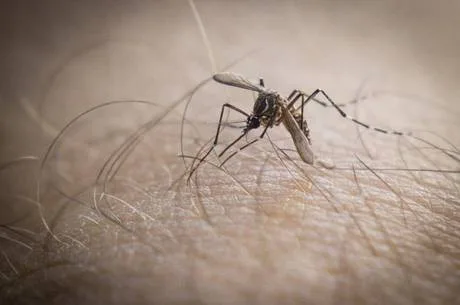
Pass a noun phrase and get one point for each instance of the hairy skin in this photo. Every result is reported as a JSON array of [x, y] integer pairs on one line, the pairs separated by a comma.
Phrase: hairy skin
[[112, 219]]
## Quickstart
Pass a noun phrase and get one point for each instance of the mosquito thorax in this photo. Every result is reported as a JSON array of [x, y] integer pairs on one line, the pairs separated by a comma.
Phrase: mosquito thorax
[[265, 104]]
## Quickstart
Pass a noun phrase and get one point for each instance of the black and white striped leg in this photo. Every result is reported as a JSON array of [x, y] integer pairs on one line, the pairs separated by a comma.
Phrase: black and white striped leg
[[296, 94], [346, 116]]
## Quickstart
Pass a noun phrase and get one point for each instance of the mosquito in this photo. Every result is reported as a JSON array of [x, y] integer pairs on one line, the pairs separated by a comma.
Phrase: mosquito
[[271, 109]]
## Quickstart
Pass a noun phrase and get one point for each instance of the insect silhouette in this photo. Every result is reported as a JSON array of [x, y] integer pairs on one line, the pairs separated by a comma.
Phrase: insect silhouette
[[271, 109]]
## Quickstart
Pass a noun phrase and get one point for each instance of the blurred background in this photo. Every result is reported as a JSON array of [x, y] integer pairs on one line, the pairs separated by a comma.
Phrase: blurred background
[[60, 58]]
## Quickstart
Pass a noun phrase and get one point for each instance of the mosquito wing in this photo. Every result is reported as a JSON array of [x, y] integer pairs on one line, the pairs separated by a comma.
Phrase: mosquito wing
[[299, 138], [236, 80]]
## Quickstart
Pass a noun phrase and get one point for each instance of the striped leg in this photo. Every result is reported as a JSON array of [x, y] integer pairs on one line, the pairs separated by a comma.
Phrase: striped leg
[[296, 94], [343, 114]]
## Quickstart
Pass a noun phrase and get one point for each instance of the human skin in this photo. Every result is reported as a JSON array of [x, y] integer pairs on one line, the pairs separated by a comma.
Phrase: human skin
[[124, 226]]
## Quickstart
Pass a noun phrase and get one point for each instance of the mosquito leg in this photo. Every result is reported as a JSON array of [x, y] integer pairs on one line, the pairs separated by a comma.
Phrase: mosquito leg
[[235, 152], [230, 106], [294, 97], [296, 94], [301, 112], [234, 124], [216, 138], [270, 123], [231, 144], [346, 116]]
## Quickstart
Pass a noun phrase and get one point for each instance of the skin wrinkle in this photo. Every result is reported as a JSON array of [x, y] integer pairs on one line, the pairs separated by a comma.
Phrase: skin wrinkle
[[115, 221], [266, 229]]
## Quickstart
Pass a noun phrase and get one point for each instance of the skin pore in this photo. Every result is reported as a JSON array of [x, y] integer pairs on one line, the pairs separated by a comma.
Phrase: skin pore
[[99, 210]]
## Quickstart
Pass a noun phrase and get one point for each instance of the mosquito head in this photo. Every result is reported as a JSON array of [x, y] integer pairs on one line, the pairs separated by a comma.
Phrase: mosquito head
[[253, 122]]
